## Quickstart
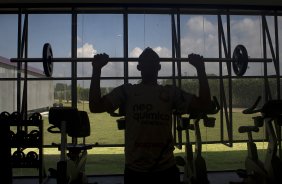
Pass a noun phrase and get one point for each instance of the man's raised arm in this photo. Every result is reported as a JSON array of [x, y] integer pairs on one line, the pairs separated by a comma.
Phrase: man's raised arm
[[96, 102], [203, 102]]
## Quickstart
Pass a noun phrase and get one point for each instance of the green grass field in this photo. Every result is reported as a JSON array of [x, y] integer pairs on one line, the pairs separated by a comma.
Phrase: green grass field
[[110, 160]]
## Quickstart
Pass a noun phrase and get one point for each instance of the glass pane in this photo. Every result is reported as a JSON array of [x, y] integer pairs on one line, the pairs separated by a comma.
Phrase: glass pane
[[8, 45], [58, 33], [145, 30], [247, 31], [8, 100], [199, 35], [100, 34], [9, 35]]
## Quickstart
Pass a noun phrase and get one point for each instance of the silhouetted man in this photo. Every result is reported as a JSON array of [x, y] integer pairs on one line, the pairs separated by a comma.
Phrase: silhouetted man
[[148, 110]]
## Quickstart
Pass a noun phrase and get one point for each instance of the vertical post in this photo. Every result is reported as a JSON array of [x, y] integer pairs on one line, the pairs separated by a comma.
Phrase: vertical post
[[230, 129], [178, 51], [223, 102], [220, 77], [125, 43], [173, 48], [19, 64], [264, 56], [25, 54], [63, 141], [74, 64], [278, 128]]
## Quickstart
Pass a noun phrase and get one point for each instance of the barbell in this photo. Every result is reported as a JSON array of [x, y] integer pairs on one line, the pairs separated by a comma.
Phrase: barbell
[[240, 59]]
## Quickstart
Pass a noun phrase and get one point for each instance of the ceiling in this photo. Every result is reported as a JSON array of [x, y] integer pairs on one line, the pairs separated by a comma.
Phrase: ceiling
[[271, 3]]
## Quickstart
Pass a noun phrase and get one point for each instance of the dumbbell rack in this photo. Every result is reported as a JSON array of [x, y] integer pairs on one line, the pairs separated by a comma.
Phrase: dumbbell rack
[[38, 164]]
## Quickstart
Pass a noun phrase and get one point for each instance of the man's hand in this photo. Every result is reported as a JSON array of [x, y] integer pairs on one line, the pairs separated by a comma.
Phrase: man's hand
[[197, 61], [99, 61]]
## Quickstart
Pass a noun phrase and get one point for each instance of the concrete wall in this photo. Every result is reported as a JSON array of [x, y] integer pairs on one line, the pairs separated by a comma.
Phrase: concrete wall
[[40, 93]]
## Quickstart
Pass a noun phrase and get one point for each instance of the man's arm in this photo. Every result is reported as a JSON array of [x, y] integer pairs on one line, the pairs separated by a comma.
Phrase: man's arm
[[96, 102], [201, 103]]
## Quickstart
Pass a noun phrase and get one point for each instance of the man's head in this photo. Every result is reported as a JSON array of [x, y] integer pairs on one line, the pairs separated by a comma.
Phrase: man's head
[[148, 58], [149, 64]]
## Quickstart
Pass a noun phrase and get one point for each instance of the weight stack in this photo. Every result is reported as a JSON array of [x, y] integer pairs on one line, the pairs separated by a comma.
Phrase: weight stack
[[5, 157]]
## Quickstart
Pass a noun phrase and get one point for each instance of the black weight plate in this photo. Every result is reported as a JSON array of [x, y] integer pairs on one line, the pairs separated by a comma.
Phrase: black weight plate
[[32, 156], [35, 116], [18, 156], [47, 56], [240, 60]]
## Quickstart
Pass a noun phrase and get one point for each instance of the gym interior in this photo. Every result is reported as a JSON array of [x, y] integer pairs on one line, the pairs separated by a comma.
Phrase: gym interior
[[46, 50]]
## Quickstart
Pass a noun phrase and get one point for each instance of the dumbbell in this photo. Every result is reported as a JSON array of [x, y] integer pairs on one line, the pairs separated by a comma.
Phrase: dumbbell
[[31, 158], [15, 117], [5, 116], [18, 158], [35, 117], [33, 137]]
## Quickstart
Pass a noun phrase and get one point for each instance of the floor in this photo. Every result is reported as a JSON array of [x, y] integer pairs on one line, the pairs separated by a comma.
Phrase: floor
[[214, 178]]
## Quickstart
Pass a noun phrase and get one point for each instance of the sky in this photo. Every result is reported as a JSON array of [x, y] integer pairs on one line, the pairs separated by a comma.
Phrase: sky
[[103, 33]]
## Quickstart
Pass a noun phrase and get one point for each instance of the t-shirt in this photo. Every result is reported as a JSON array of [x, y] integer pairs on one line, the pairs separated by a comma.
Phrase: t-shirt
[[148, 115]]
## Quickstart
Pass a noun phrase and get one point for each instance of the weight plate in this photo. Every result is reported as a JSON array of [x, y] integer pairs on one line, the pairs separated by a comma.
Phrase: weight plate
[[32, 156], [47, 56], [35, 116], [240, 60]]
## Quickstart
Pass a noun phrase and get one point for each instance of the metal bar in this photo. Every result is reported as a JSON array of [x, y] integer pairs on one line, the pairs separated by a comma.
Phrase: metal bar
[[266, 82], [178, 53], [222, 90], [173, 51], [19, 65], [230, 128], [125, 50], [278, 128], [270, 44], [97, 145], [252, 60], [74, 64], [277, 56], [25, 52], [220, 77], [223, 37], [136, 77]]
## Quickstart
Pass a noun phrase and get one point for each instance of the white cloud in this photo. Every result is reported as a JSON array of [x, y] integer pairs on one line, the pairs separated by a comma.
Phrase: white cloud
[[87, 50], [201, 37], [135, 52], [162, 51], [198, 24]]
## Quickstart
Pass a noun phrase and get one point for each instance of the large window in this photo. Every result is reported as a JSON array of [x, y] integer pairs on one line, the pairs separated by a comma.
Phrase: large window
[[123, 35]]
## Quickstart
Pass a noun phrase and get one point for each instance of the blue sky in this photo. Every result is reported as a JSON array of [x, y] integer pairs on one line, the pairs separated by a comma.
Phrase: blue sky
[[104, 33]]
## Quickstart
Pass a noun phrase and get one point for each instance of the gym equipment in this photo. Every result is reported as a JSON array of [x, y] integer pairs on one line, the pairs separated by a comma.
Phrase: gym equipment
[[5, 141], [69, 121], [239, 60], [257, 171], [195, 171], [31, 158], [47, 56]]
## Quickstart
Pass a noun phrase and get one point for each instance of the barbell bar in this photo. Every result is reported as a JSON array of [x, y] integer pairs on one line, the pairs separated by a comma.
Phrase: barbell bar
[[116, 59], [239, 60]]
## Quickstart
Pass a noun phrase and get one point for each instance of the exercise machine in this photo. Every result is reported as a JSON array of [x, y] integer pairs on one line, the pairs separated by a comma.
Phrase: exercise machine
[[268, 171], [69, 121], [195, 170]]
